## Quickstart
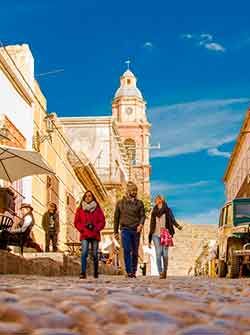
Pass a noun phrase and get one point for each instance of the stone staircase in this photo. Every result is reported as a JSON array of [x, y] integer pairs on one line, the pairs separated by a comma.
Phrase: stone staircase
[[188, 245]]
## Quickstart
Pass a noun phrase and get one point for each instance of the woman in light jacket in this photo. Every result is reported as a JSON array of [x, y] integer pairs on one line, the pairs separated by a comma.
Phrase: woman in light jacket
[[161, 218], [89, 221]]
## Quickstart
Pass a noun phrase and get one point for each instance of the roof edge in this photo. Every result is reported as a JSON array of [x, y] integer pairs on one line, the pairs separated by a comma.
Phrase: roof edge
[[237, 145]]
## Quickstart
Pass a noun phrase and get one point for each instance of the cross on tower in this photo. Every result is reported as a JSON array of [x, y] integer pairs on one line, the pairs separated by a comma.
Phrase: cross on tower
[[128, 63]]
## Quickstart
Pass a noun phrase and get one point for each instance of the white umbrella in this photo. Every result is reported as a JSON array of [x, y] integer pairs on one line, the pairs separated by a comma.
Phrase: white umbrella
[[17, 163]]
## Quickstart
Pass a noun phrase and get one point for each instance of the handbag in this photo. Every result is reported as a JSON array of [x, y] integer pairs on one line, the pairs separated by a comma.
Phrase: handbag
[[166, 238]]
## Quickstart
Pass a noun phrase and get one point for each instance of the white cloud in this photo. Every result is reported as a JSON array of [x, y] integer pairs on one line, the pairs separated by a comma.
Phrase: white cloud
[[148, 45], [209, 217], [206, 37], [187, 36], [205, 40], [217, 152], [214, 47], [195, 126], [161, 187]]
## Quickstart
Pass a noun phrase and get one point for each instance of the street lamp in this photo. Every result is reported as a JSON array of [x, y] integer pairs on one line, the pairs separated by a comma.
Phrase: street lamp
[[49, 128]]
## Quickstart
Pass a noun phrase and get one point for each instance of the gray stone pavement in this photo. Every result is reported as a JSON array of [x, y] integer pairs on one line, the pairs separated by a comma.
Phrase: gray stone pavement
[[114, 305]]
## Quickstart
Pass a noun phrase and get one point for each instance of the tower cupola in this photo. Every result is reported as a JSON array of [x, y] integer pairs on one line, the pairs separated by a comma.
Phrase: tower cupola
[[128, 86]]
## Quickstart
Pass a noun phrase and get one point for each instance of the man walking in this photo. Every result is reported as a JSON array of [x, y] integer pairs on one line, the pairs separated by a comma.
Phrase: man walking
[[130, 217], [50, 224]]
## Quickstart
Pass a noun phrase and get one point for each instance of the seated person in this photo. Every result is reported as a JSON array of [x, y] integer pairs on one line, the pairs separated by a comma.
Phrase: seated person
[[27, 222]]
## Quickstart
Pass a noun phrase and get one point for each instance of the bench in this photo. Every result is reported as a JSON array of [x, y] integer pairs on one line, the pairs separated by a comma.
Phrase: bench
[[15, 239]]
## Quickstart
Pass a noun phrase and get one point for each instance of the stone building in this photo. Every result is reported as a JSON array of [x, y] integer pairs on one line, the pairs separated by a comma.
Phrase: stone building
[[237, 174], [129, 112], [23, 111], [99, 138], [16, 106], [117, 145]]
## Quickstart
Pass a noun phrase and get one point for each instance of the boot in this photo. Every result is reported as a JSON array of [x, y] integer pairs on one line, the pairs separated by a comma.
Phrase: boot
[[163, 275], [83, 275], [165, 265]]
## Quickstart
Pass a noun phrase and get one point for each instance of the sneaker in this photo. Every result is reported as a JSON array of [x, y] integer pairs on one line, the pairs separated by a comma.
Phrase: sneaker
[[83, 275]]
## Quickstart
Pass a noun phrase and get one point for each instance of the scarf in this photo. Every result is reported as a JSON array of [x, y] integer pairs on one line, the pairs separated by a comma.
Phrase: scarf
[[89, 207], [160, 211]]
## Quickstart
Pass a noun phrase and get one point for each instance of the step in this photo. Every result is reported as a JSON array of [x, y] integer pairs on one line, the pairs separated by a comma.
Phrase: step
[[56, 256]]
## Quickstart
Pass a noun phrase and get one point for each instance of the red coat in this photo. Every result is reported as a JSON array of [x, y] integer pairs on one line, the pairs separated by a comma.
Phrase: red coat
[[83, 217]]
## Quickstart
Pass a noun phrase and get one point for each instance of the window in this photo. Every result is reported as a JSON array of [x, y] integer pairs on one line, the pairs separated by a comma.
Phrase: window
[[229, 215], [67, 199], [221, 216], [128, 81], [242, 212], [49, 182], [224, 216]]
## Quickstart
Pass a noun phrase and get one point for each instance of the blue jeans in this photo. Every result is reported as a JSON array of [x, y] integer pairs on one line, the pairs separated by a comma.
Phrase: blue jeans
[[130, 244], [85, 252], [161, 253]]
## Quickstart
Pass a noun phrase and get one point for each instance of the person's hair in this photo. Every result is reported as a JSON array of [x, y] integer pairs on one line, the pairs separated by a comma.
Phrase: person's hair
[[161, 197], [84, 197], [52, 204], [132, 185]]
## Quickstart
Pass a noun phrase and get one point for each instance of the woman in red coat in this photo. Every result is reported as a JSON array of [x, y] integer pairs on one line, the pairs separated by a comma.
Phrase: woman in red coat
[[89, 221]]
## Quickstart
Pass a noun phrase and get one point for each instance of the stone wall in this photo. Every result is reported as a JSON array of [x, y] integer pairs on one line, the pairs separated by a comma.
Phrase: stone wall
[[45, 264], [188, 244], [14, 264]]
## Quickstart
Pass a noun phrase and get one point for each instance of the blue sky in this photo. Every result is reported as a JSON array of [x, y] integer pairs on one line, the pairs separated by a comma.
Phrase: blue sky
[[192, 63]]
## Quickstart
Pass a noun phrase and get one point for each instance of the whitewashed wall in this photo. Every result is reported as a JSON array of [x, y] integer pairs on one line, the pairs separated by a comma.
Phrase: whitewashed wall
[[20, 114]]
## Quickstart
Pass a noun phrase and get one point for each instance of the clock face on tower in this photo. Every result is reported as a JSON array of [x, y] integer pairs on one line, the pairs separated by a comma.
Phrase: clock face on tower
[[129, 110]]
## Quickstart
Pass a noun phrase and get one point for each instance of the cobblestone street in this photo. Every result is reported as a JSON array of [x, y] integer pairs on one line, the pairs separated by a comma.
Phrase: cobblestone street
[[114, 305]]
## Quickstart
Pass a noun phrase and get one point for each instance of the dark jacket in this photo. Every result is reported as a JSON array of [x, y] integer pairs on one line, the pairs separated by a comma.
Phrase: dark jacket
[[129, 214], [83, 218], [170, 221], [45, 222]]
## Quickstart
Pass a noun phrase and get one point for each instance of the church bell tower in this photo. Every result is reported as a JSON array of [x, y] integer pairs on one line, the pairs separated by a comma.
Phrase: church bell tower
[[129, 113]]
